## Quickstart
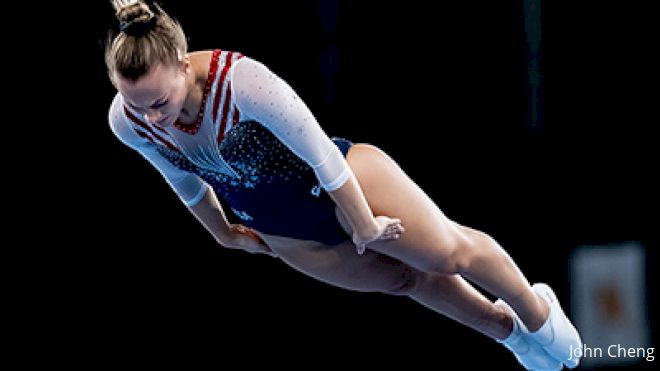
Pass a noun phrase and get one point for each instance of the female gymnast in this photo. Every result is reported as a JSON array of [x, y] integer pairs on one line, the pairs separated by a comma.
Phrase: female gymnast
[[217, 123]]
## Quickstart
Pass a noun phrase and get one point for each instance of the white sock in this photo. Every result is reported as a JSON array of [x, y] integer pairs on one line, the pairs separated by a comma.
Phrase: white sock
[[515, 340], [557, 335], [529, 354]]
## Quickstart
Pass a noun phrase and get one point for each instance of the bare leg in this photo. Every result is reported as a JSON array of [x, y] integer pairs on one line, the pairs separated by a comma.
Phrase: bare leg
[[452, 296], [433, 243], [340, 266], [510, 284]]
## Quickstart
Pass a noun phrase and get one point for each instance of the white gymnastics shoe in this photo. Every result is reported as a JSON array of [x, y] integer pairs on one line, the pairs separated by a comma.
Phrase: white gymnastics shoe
[[528, 353], [557, 335]]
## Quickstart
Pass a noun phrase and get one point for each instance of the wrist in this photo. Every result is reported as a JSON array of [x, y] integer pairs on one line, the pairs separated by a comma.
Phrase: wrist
[[226, 239], [367, 232]]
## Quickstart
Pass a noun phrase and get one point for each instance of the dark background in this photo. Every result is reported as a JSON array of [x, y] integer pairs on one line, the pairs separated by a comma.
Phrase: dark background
[[441, 87]]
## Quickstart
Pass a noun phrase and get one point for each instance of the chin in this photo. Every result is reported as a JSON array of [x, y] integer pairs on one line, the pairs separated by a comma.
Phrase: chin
[[166, 123]]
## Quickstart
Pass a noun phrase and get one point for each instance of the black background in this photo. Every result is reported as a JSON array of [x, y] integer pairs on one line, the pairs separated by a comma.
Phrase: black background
[[440, 87]]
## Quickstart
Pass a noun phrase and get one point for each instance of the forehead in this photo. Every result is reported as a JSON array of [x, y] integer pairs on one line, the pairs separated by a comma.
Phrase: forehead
[[157, 81]]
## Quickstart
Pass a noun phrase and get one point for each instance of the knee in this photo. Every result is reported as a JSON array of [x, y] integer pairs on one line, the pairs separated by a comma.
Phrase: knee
[[478, 246], [449, 259], [463, 251], [407, 284]]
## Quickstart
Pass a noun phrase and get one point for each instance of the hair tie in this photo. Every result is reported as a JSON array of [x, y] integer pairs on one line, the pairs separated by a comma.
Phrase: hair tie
[[138, 25], [123, 25]]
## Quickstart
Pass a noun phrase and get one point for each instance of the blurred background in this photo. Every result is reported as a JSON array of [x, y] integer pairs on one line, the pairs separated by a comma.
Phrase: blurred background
[[530, 120]]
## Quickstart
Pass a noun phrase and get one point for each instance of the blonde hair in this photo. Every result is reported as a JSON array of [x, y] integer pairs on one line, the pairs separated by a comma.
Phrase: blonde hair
[[147, 36]]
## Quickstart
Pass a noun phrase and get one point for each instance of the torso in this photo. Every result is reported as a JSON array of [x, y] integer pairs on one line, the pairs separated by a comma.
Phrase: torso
[[201, 61], [274, 191]]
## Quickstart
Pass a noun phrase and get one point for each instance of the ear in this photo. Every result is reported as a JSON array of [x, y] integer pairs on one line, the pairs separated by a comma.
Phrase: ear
[[186, 65]]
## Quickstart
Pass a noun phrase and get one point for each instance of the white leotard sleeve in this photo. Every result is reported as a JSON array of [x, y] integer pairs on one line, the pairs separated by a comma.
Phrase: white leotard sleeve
[[264, 97], [189, 187]]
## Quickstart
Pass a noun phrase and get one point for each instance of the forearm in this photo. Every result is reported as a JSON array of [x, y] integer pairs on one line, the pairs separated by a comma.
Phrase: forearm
[[210, 214], [351, 201]]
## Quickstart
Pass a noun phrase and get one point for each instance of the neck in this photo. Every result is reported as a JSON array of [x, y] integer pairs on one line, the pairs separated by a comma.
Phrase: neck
[[193, 102]]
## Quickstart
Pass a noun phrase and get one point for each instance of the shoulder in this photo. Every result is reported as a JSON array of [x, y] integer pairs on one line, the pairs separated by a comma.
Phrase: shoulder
[[201, 62], [251, 80], [116, 116], [216, 62], [247, 69], [119, 124]]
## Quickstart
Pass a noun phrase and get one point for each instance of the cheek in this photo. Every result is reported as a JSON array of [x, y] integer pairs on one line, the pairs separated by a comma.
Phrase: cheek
[[178, 98]]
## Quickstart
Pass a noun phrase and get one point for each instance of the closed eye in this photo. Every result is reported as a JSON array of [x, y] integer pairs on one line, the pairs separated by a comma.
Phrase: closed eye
[[159, 104]]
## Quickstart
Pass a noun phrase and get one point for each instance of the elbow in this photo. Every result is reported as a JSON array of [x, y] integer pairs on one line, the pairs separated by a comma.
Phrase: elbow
[[333, 171], [334, 182]]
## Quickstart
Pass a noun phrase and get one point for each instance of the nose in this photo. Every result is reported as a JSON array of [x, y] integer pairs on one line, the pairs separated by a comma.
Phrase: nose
[[152, 116]]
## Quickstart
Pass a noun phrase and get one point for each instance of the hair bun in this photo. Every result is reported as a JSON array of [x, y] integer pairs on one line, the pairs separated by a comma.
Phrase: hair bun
[[136, 19]]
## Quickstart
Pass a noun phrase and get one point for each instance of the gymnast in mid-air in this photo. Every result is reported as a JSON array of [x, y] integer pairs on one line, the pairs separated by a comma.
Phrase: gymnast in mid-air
[[218, 124]]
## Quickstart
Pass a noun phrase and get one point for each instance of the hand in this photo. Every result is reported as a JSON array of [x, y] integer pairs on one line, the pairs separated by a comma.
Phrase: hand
[[387, 229], [244, 238]]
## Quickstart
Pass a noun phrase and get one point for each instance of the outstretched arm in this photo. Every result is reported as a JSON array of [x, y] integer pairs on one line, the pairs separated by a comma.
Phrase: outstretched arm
[[263, 96]]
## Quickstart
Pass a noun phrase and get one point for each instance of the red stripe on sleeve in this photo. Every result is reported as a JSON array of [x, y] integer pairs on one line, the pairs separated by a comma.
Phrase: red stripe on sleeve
[[144, 135], [161, 130], [148, 128]]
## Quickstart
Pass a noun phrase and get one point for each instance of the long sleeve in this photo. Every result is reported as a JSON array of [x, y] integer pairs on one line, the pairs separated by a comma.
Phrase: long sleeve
[[189, 187], [264, 97]]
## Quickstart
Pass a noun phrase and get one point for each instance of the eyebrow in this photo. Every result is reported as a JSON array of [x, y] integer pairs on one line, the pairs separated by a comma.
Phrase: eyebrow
[[156, 102]]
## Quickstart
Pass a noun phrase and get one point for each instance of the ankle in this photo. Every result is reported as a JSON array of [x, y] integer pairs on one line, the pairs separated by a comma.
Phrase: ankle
[[543, 310], [504, 325]]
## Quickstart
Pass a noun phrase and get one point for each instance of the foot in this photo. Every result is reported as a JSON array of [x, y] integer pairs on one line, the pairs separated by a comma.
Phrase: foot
[[528, 353], [557, 335]]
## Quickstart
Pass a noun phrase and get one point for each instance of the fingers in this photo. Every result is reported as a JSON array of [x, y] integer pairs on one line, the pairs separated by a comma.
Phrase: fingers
[[249, 240], [396, 227], [393, 230], [390, 235]]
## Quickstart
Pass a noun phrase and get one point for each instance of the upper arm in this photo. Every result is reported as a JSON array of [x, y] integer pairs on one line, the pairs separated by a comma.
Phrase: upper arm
[[189, 187], [263, 96]]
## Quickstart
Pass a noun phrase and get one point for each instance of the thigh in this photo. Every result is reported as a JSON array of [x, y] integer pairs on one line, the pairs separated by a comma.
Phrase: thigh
[[431, 240], [341, 266]]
